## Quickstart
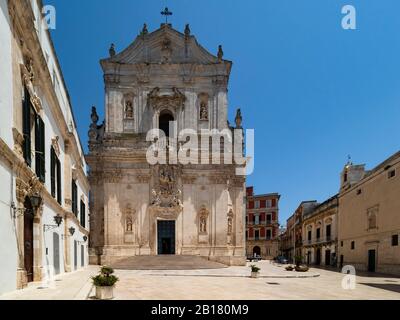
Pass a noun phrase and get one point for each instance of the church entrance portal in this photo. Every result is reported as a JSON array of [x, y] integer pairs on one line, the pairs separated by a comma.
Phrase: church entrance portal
[[166, 237]]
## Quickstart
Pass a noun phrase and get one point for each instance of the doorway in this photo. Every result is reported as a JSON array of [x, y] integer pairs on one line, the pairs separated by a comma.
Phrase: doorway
[[371, 260], [165, 118], [256, 251], [166, 237], [28, 239], [327, 257], [56, 253], [318, 257]]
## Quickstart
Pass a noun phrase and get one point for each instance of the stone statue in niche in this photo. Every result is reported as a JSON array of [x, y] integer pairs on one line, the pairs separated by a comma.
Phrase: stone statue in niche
[[203, 111], [129, 224], [203, 214], [203, 225], [129, 109], [230, 225], [203, 106]]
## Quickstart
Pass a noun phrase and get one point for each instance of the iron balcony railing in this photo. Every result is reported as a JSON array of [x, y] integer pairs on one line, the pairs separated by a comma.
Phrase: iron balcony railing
[[319, 240]]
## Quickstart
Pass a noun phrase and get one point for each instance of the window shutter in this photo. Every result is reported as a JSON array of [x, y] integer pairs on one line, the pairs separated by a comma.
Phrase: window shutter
[[26, 127], [53, 172], [42, 151], [39, 148], [58, 180], [83, 214]]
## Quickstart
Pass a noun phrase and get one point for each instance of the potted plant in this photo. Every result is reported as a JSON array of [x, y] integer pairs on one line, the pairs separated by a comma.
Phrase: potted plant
[[289, 268], [254, 271], [298, 260], [301, 268], [104, 283]]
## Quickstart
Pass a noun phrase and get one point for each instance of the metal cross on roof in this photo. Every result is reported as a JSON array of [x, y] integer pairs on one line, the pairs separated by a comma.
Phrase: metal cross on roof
[[166, 13]]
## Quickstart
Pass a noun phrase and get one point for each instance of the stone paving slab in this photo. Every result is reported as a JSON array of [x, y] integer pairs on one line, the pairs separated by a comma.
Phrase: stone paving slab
[[166, 262], [198, 285]]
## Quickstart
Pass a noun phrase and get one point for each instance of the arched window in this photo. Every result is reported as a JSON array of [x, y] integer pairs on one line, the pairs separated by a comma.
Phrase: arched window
[[165, 118]]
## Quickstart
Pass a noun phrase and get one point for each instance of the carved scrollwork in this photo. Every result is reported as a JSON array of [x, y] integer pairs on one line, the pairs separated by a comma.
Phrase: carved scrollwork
[[177, 99]]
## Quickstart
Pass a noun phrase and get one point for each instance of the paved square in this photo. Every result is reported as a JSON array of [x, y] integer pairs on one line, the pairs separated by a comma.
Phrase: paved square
[[227, 283]]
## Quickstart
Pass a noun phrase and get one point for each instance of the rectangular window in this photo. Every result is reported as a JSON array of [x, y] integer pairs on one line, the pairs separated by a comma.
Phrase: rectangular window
[[318, 233], [256, 234], [391, 174], [40, 149], [328, 231], [55, 175], [269, 219], [268, 234], [309, 235], [256, 219], [353, 245], [26, 127], [341, 243], [395, 240], [83, 214], [247, 234], [74, 198], [257, 204], [269, 203]]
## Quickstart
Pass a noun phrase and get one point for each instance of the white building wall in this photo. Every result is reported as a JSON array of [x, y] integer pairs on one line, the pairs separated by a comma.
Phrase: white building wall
[[8, 246]]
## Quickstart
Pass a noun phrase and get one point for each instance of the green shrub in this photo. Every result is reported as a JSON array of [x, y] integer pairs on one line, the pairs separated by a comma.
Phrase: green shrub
[[254, 268], [289, 268], [105, 278]]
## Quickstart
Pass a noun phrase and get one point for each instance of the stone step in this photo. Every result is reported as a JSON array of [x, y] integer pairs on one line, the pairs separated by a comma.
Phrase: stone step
[[166, 262]]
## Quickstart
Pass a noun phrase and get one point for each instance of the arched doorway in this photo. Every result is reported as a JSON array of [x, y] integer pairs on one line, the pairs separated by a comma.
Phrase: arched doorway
[[163, 122], [257, 251], [28, 239]]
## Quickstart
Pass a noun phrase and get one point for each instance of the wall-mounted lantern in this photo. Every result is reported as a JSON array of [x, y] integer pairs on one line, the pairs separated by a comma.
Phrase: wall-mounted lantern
[[71, 231], [57, 219]]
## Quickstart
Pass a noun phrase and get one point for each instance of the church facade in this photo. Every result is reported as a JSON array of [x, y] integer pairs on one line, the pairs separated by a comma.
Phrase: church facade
[[164, 80]]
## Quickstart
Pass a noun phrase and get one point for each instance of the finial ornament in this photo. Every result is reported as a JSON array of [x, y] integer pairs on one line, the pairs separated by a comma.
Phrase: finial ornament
[[94, 116], [238, 119], [187, 31], [144, 30], [112, 50], [220, 53]]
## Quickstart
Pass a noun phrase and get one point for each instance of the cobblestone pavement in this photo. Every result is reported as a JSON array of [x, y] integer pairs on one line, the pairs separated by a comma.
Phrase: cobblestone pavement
[[226, 283]]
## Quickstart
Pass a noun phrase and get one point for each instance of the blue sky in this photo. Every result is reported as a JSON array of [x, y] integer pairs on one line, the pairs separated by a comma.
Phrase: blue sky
[[313, 92]]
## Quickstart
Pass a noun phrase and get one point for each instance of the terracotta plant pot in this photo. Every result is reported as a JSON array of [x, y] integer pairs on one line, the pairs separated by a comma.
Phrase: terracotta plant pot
[[104, 293], [255, 274]]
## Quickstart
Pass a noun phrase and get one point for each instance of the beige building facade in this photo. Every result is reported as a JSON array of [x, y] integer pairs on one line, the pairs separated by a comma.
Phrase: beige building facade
[[163, 80], [320, 234], [369, 217]]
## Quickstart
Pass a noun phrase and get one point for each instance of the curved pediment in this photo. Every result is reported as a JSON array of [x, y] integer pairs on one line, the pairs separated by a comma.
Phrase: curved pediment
[[165, 45]]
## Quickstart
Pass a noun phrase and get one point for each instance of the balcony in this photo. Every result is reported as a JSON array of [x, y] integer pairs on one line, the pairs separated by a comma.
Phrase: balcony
[[320, 240]]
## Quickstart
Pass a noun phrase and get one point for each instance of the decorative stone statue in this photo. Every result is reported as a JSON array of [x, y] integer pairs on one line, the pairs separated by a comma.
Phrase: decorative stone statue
[[203, 110], [112, 50], [93, 126], [229, 225], [156, 200], [144, 30], [220, 53], [203, 224], [238, 119], [129, 224], [187, 31], [129, 109]]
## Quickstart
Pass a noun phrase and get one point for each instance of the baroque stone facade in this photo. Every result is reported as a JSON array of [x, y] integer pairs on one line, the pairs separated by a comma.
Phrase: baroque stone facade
[[140, 208]]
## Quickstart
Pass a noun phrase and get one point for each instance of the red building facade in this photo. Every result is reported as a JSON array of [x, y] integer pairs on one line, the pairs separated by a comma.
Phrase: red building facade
[[262, 224]]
